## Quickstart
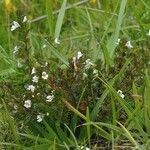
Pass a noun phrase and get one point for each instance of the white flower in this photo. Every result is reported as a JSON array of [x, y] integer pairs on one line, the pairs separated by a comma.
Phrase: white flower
[[31, 88], [128, 45], [49, 98], [24, 19], [14, 26], [52, 91], [33, 71], [35, 79], [47, 114], [118, 41], [120, 94], [44, 46], [27, 103], [16, 48], [56, 41], [40, 117], [148, 33], [74, 60], [38, 94], [95, 72], [44, 75], [82, 147], [88, 64], [79, 55]]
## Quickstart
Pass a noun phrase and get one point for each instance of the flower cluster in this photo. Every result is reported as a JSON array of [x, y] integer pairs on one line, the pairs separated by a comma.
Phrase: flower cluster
[[49, 98], [27, 104], [120, 93], [31, 88], [88, 64], [44, 75], [128, 45], [16, 25], [35, 91], [41, 116]]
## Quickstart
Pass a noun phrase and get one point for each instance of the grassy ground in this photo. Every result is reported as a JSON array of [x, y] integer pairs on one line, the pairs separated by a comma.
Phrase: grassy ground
[[75, 74]]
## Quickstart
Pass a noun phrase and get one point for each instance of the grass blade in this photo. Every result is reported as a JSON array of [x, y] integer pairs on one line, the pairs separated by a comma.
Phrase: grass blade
[[112, 43], [60, 18], [56, 53], [50, 17], [100, 101], [129, 136]]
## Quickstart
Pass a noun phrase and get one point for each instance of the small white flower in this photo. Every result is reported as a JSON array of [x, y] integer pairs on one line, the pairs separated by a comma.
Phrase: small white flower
[[82, 147], [40, 117], [14, 26], [120, 94], [47, 114], [16, 48], [56, 41], [35, 79], [25, 19], [44, 46], [74, 60], [95, 72], [44, 75], [79, 55], [88, 64], [49, 98], [118, 41], [31, 88], [52, 91], [38, 94], [33, 71], [148, 33], [27, 103], [128, 45]]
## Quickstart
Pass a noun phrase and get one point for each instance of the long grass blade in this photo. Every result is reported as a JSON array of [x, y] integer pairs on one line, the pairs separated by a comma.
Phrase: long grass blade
[[60, 19]]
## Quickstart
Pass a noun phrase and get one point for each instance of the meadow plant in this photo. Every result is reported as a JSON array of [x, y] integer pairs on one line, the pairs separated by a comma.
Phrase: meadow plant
[[79, 80]]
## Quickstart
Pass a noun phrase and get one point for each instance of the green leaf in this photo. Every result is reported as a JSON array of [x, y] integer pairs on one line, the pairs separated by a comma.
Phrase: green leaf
[[52, 135], [49, 10], [63, 136], [60, 20], [129, 136], [112, 42]]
